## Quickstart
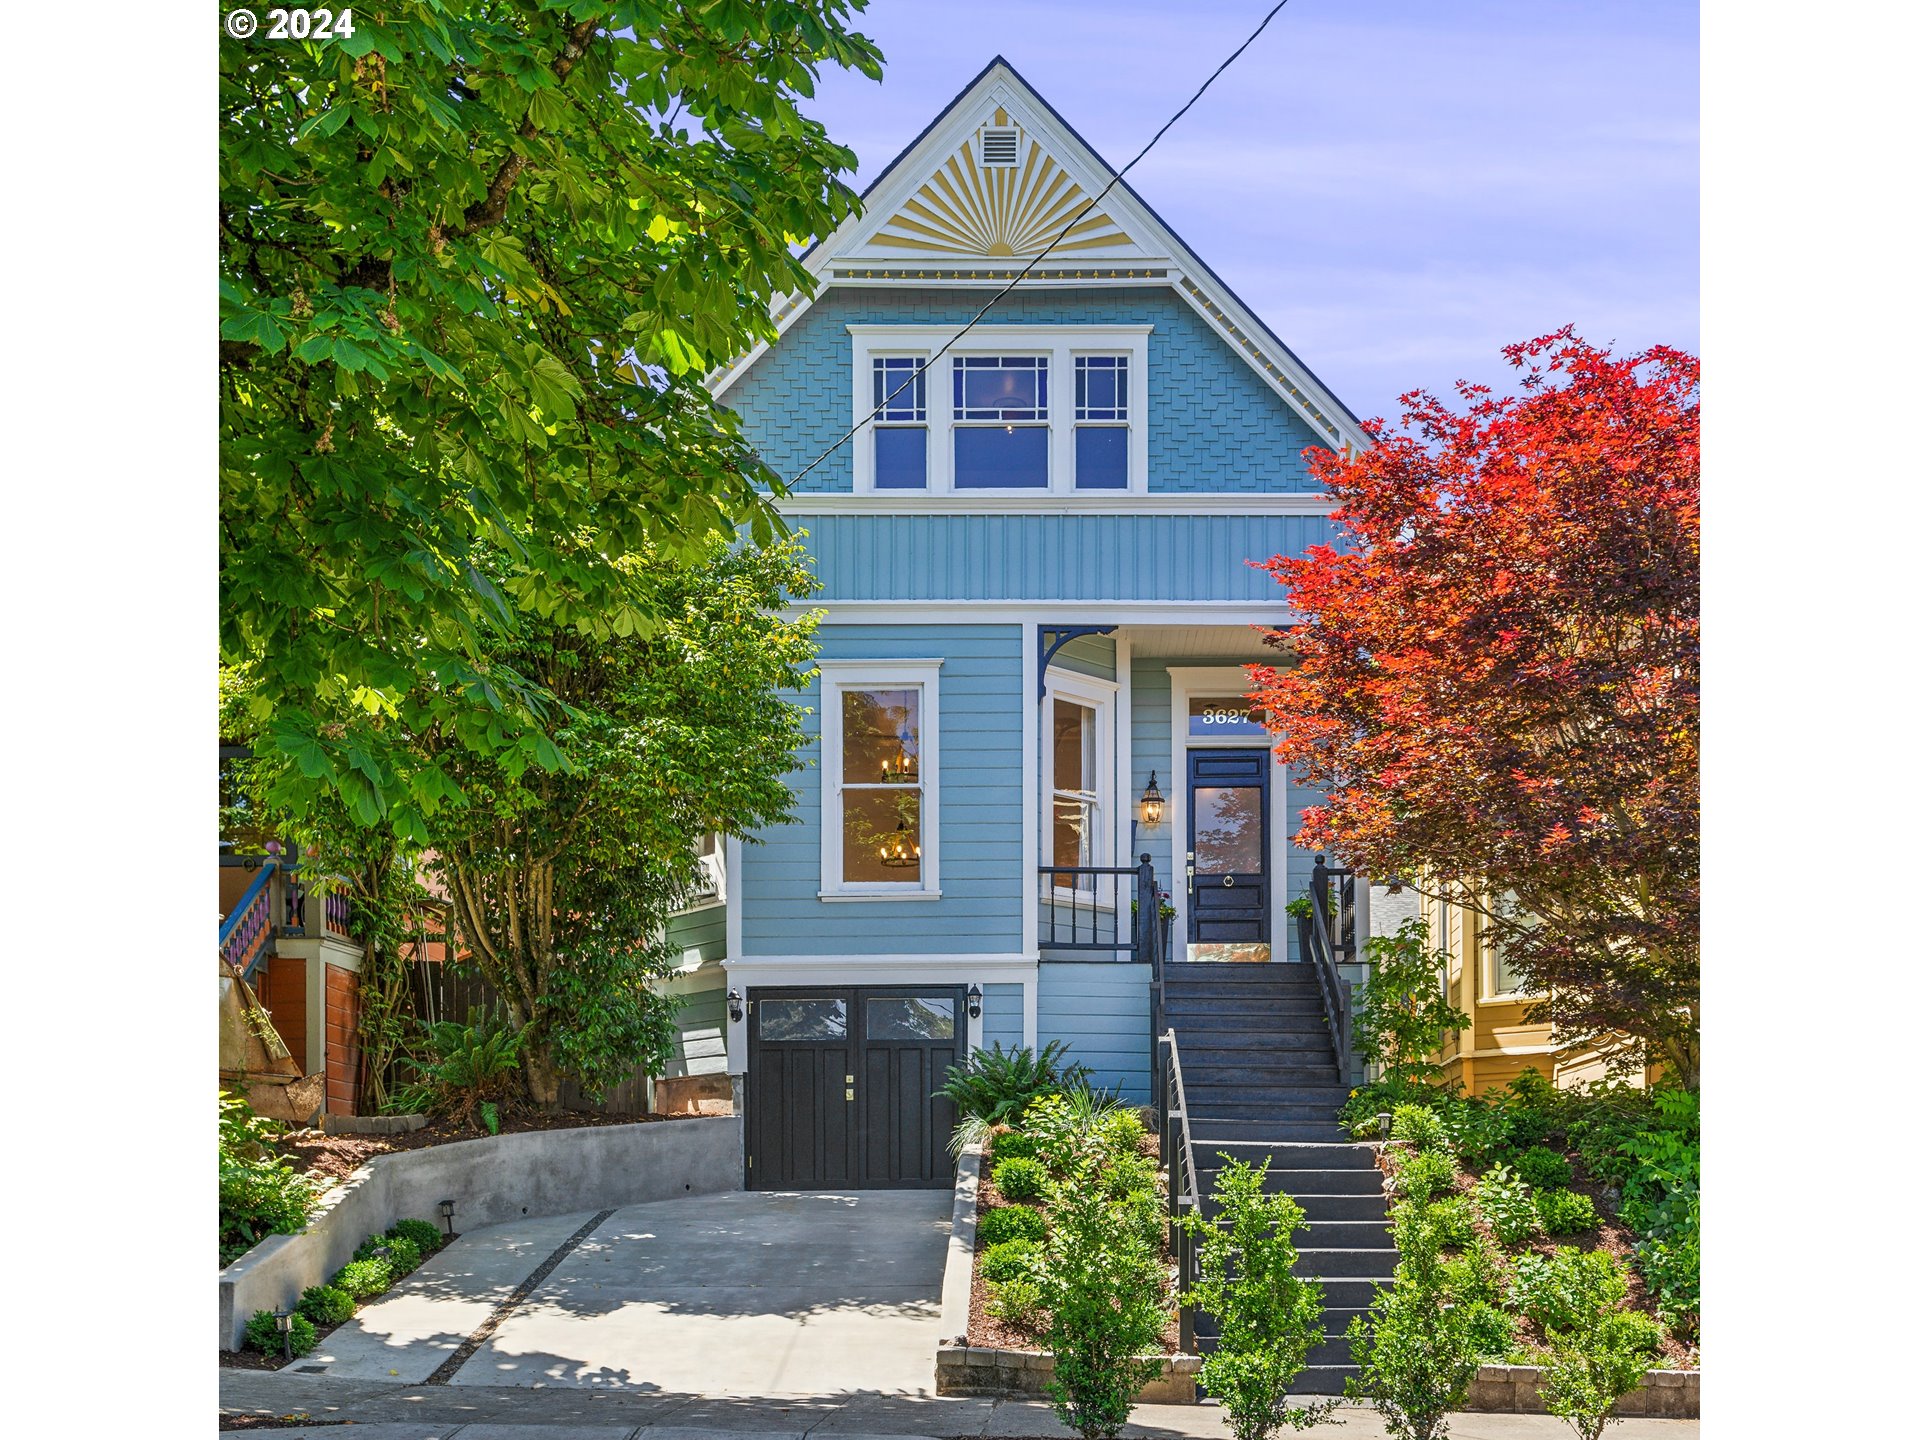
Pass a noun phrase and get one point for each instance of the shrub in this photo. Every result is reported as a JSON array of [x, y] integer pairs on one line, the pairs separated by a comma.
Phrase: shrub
[[1018, 1303], [1453, 1221], [1507, 1202], [1101, 1286], [1478, 1273], [1479, 1133], [1404, 1012], [1012, 1145], [1128, 1173], [1542, 1168], [424, 1234], [1383, 1097], [1565, 1212], [1009, 1260], [402, 1255], [997, 1085], [264, 1335], [1019, 1178], [1074, 1125], [326, 1304], [1146, 1212], [1123, 1130], [1555, 1291], [472, 1066], [1420, 1343], [363, 1279], [260, 1195], [1424, 1174], [1669, 1261], [1010, 1222], [1418, 1126], [1268, 1316]]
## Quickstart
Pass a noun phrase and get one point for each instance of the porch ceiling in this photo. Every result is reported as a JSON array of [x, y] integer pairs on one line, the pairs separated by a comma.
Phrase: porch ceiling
[[1201, 642]]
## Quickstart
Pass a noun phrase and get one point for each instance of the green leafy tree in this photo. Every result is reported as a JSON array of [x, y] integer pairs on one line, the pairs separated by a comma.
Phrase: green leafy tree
[[1405, 1014], [1102, 1286], [1423, 1339], [1597, 1349], [474, 260], [561, 881], [1269, 1318]]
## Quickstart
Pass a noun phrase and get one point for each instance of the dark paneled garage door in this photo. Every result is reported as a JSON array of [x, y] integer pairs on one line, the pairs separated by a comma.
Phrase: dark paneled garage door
[[840, 1086]]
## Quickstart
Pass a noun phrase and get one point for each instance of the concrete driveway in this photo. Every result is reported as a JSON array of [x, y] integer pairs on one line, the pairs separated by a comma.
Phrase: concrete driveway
[[740, 1294]]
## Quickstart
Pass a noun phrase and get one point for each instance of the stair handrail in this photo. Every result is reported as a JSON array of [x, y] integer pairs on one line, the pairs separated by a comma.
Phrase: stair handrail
[[1336, 993], [1183, 1182], [249, 925]]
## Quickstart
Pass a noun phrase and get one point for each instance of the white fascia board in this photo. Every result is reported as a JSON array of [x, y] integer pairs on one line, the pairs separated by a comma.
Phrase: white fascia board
[[1047, 612], [1273, 502], [878, 969]]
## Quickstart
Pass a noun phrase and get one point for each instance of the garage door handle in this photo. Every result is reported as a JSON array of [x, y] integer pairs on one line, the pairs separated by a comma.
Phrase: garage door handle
[[849, 1094]]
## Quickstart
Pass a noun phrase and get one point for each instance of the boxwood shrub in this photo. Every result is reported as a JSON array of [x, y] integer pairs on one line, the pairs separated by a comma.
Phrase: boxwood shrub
[[264, 1335], [1009, 1260], [1019, 1178], [1565, 1212], [326, 1304], [1542, 1168], [424, 1234], [363, 1279], [1011, 1222]]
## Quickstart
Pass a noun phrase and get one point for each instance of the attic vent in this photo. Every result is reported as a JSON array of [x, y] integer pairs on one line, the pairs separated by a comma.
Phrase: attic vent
[[999, 147]]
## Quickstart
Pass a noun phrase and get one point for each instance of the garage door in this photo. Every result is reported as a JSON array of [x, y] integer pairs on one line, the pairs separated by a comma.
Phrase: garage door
[[840, 1086]]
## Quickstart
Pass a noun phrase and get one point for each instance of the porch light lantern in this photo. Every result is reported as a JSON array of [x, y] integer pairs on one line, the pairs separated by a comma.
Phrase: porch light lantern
[[899, 850], [1153, 805], [446, 1216], [973, 1002], [736, 1011]]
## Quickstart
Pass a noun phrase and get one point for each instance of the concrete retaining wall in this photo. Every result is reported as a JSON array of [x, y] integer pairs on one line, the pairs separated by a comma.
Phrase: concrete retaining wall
[[500, 1177]]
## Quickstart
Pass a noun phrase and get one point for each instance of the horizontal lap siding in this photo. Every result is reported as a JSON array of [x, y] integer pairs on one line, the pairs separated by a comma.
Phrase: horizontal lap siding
[[980, 808], [702, 932], [1054, 557], [1002, 1020], [1103, 1013], [700, 1031], [1213, 423]]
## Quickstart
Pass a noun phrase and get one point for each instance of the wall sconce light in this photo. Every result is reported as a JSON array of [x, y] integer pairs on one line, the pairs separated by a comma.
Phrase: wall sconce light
[[446, 1216], [1153, 804], [973, 1002], [735, 1009]]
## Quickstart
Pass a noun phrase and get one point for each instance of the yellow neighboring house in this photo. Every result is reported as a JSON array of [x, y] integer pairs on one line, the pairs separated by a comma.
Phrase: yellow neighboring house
[[1499, 1042]]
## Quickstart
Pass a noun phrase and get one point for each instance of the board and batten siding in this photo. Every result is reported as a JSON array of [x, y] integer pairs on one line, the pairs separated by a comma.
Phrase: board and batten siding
[[1054, 557], [1212, 423], [1103, 1011], [980, 809]]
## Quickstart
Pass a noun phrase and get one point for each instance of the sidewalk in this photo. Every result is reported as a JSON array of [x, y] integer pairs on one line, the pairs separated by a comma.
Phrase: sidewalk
[[390, 1411]]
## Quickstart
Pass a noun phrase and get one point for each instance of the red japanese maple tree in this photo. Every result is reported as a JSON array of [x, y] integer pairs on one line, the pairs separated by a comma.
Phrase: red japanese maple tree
[[1498, 677]]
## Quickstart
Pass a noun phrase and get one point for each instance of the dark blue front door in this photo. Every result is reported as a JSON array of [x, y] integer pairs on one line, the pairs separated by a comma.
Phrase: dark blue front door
[[1229, 891]]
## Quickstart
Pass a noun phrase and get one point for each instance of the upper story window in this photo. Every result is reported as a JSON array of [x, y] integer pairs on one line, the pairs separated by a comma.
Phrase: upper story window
[[880, 796], [900, 429], [995, 414], [1000, 422]]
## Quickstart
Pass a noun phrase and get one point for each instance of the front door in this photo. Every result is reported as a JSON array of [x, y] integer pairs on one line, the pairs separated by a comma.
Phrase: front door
[[1229, 894], [840, 1084]]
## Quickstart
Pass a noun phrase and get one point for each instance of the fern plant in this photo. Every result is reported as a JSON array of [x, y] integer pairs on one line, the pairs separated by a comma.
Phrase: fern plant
[[994, 1086], [472, 1067]]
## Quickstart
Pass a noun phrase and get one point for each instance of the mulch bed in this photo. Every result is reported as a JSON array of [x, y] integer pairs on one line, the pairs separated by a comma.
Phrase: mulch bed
[[1613, 1237], [985, 1330], [334, 1157], [274, 1422]]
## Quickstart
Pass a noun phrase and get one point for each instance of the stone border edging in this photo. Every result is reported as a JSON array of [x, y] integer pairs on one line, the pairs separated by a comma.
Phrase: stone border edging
[[490, 1180], [1515, 1390]]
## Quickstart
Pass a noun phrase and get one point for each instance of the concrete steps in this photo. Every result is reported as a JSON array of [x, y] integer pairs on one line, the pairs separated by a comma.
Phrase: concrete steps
[[1257, 1065]]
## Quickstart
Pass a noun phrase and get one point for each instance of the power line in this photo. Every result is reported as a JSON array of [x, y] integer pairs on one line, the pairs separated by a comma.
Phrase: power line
[[1072, 220]]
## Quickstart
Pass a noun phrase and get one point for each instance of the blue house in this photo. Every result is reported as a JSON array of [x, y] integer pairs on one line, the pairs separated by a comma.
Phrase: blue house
[[1038, 604]]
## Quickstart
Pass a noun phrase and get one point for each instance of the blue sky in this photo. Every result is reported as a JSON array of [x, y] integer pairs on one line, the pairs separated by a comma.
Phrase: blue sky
[[1398, 187]]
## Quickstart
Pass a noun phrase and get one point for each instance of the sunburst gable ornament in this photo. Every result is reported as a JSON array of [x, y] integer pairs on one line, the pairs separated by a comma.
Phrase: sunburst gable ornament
[[972, 207]]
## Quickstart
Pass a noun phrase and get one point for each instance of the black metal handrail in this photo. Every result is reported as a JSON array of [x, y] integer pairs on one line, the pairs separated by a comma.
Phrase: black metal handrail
[[1329, 938], [1183, 1180]]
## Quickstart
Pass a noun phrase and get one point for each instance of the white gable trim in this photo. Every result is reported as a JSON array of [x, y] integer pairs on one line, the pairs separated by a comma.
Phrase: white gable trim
[[840, 258]]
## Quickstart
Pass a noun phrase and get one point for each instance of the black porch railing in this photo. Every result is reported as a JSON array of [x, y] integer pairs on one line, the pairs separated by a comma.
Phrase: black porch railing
[[1183, 1176], [1107, 913], [1329, 938]]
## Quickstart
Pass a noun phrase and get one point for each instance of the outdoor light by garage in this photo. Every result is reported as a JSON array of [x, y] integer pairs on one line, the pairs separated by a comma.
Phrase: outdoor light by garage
[[1152, 803], [973, 1002], [734, 1007]]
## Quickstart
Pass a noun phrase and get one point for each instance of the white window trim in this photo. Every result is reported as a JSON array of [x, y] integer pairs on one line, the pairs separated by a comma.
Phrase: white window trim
[[1098, 696], [1060, 343], [838, 675]]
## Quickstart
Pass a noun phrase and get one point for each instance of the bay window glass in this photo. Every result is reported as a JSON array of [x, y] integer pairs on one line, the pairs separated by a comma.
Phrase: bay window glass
[[881, 785], [1100, 416], [1000, 422], [899, 424]]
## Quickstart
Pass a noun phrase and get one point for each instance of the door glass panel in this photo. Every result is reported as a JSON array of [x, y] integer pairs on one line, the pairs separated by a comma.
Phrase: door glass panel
[[1228, 837], [803, 1019], [880, 836], [909, 1017]]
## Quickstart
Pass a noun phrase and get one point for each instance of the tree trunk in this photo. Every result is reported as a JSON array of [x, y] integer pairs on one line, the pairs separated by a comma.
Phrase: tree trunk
[[543, 1080], [1681, 1053]]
